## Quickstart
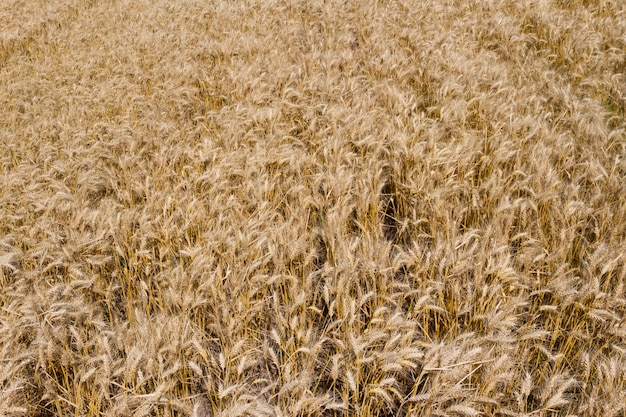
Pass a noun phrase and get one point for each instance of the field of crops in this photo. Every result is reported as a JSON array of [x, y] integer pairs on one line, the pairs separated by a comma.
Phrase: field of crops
[[329, 208]]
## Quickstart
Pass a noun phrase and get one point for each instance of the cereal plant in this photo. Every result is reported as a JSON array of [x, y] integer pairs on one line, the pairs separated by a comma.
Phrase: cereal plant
[[325, 208]]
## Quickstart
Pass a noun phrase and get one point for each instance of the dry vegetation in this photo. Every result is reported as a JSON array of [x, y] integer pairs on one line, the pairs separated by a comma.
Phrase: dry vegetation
[[312, 208]]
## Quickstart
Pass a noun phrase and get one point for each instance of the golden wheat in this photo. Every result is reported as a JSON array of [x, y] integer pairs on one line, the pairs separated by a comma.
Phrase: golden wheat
[[312, 208]]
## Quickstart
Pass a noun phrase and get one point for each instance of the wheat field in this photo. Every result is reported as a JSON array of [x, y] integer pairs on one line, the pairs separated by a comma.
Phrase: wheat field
[[312, 208]]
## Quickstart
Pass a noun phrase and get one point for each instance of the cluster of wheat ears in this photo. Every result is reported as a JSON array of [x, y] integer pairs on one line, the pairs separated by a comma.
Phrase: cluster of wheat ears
[[313, 208]]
